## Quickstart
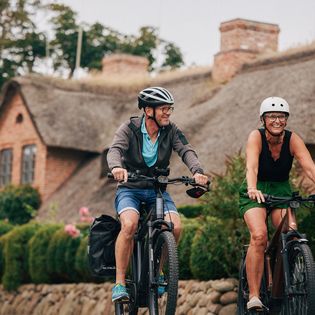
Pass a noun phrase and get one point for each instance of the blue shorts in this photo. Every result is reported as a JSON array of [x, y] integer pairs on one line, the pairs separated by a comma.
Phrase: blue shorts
[[131, 198]]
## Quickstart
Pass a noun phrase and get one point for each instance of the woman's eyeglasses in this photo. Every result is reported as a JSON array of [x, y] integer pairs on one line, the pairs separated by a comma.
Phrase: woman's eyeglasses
[[273, 117]]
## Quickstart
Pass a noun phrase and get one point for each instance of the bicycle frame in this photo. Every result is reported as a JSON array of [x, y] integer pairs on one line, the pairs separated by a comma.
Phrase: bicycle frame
[[276, 254], [148, 231]]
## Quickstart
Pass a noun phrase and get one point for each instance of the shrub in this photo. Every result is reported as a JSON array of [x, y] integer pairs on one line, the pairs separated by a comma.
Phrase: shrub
[[190, 228], [19, 203], [72, 245], [3, 240], [191, 211], [16, 256], [81, 261], [38, 248], [216, 249], [5, 227], [222, 201], [56, 266], [307, 226]]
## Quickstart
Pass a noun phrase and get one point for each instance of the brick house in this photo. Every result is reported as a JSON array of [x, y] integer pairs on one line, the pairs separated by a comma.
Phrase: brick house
[[46, 134]]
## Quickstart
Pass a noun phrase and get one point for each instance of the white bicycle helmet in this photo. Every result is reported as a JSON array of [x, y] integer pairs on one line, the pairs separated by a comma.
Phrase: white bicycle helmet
[[274, 104], [154, 96]]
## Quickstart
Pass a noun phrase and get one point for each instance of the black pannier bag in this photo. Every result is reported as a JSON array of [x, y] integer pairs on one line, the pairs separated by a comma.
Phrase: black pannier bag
[[101, 248]]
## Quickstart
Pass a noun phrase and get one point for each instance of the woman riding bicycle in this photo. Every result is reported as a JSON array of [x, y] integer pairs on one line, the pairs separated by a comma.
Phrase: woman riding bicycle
[[143, 144], [269, 155]]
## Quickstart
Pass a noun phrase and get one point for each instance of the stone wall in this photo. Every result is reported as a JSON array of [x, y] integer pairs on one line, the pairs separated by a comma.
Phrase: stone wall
[[214, 297]]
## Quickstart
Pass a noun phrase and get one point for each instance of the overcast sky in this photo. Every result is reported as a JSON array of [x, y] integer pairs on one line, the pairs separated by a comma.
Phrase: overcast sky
[[193, 25]]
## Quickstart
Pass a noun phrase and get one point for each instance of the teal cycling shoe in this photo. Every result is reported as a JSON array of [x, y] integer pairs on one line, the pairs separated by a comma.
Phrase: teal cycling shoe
[[162, 285], [119, 293]]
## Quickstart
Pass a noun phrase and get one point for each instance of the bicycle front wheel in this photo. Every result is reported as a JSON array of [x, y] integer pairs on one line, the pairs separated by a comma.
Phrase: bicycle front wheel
[[164, 296], [243, 291], [301, 297]]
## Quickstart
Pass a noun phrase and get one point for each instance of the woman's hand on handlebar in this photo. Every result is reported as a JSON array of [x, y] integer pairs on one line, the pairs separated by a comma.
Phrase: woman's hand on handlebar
[[255, 194], [201, 179], [120, 174]]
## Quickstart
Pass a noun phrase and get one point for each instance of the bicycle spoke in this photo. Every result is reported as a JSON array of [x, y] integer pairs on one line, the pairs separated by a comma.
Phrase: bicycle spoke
[[301, 299]]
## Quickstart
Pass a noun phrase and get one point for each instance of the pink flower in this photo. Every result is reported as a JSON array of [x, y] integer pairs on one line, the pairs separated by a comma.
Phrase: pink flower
[[86, 219], [85, 215], [84, 211], [72, 230]]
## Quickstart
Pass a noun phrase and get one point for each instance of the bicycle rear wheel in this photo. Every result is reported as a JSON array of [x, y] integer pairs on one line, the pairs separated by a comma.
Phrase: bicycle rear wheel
[[301, 299], [165, 260]]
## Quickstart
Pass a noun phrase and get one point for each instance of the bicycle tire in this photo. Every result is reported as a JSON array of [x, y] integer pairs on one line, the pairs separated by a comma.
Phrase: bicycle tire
[[125, 309], [301, 299], [165, 304], [242, 295]]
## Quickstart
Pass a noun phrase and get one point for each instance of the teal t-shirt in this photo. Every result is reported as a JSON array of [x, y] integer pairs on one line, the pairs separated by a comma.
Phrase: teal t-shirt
[[149, 149]]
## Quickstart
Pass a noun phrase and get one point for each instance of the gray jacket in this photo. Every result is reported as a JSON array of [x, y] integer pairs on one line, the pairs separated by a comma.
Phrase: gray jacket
[[126, 150]]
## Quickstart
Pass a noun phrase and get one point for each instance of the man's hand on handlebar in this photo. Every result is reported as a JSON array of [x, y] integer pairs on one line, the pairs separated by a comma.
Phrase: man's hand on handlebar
[[120, 174], [201, 179]]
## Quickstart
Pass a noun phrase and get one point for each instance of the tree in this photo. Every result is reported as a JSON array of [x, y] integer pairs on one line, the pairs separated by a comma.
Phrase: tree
[[66, 37], [20, 42], [173, 56]]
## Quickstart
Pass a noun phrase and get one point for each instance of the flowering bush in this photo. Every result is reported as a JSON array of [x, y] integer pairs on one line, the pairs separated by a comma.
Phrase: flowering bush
[[71, 230], [85, 215]]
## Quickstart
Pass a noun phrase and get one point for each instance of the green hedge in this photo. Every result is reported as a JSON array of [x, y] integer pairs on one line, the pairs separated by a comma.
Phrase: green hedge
[[19, 203], [16, 269], [189, 231], [5, 227], [81, 265], [56, 265], [191, 211], [38, 248], [217, 249]]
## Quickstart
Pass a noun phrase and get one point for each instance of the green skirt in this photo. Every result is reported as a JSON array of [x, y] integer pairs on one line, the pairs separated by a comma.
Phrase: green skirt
[[279, 189]]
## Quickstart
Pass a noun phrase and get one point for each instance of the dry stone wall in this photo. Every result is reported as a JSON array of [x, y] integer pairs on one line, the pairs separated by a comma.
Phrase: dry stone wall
[[214, 297]]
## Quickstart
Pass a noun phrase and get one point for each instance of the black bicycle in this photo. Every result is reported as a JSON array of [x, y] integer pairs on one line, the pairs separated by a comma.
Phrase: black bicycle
[[288, 282], [155, 252]]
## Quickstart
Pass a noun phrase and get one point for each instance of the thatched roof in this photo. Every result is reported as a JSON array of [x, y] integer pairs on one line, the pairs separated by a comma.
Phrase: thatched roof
[[70, 119], [216, 121]]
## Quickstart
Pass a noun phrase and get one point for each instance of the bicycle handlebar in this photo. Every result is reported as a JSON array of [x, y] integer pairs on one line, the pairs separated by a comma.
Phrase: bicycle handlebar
[[195, 192], [273, 200]]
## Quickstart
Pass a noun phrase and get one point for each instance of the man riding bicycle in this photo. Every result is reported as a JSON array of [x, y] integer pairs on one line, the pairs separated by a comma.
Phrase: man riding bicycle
[[144, 144]]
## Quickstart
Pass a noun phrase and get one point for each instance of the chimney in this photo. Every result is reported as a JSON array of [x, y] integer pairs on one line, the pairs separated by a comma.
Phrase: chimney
[[124, 64], [241, 41]]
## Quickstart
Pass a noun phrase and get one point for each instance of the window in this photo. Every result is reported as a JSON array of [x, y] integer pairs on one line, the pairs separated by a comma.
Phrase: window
[[5, 166], [28, 164]]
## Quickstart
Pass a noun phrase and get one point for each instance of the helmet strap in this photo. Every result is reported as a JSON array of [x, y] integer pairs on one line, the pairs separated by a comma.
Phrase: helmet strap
[[154, 118]]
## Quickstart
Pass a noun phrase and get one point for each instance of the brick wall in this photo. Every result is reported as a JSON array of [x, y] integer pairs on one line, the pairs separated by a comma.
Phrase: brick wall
[[117, 64], [15, 135], [60, 164], [52, 166], [241, 41]]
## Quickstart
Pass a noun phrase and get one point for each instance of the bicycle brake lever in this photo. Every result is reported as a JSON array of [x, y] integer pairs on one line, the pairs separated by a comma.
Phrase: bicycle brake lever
[[196, 192]]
